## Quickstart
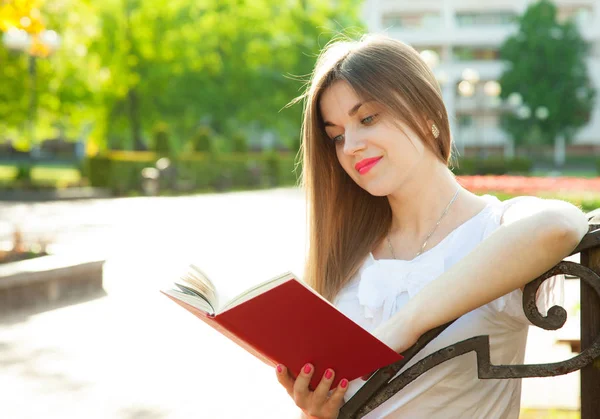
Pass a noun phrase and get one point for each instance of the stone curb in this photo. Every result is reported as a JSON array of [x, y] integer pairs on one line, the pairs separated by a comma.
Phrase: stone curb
[[48, 280]]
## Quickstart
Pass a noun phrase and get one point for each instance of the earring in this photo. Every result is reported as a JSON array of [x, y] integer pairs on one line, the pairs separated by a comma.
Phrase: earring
[[435, 131]]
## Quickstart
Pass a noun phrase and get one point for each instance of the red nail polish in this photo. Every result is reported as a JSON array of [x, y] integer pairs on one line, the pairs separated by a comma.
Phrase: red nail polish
[[343, 383], [328, 374], [279, 369], [307, 369]]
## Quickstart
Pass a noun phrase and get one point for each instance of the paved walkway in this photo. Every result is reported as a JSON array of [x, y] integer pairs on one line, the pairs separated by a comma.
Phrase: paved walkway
[[135, 354]]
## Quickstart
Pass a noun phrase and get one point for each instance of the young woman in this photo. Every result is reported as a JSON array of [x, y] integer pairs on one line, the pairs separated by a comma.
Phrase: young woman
[[400, 247]]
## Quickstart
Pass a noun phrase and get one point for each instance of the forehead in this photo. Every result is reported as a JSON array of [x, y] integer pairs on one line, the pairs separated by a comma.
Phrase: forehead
[[337, 100]]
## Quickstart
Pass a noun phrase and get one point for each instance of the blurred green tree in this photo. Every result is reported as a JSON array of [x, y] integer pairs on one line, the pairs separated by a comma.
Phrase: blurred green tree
[[226, 63], [160, 134], [547, 68], [201, 141], [125, 65], [13, 85], [63, 83]]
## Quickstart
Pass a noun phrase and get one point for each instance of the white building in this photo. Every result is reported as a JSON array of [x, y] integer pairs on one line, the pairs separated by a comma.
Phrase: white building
[[467, 34]]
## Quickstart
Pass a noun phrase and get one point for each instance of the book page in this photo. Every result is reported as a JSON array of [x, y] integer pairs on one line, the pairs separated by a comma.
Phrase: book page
[[193, 300], [195, 282]]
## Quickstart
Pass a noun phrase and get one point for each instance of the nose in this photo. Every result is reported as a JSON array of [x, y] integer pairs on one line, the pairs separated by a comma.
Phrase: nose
[[353, 142]]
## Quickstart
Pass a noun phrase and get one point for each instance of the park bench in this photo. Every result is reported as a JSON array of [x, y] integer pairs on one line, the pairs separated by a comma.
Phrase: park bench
[[379, 388]]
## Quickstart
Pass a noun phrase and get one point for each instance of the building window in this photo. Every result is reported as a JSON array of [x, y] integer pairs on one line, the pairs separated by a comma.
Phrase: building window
[[465, 121], [580, 14], [411, 21], [475, 54], [467, 19]]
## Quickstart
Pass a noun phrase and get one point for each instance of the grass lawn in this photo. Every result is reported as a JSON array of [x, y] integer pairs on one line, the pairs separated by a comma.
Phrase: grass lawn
[[565, 173], [44, 175], [7, 173]]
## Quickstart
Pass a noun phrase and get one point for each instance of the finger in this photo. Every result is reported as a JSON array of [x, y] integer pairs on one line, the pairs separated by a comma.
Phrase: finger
[[322, 390], [301, 389], [285, 379], [337, 399]]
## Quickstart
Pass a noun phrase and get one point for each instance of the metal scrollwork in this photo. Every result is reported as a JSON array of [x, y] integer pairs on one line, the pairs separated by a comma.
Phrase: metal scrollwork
[[379, 388]]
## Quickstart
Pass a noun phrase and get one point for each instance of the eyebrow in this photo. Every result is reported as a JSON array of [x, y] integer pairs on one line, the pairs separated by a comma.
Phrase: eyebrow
[[351, 112]]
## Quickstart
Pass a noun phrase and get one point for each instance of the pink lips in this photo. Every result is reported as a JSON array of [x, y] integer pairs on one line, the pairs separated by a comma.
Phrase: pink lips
[[365, 165]]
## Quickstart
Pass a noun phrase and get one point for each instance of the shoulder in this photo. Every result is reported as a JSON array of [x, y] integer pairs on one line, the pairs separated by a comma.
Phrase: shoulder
[[550, 211], [519, 207]]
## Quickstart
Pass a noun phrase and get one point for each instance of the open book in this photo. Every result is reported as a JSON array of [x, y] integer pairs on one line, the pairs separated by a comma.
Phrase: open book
[[283, 321]]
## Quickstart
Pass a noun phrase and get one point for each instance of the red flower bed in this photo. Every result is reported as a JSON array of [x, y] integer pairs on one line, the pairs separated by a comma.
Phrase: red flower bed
[[528, 185]]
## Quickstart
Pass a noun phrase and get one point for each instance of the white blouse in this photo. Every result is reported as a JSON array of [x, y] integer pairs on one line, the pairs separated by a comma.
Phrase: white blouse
[[452, 389]]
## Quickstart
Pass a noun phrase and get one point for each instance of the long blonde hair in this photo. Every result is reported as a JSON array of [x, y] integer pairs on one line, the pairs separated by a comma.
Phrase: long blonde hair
[[345, 221]]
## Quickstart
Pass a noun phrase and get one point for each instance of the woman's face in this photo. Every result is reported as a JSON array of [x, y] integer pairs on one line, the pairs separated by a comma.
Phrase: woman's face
[[370, 146]]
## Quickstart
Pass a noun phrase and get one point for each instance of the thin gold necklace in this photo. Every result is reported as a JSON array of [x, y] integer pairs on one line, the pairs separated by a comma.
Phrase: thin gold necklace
[[432, 231]]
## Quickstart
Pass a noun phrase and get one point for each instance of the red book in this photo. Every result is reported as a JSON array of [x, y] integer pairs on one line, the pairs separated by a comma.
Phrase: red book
[[283, 321]]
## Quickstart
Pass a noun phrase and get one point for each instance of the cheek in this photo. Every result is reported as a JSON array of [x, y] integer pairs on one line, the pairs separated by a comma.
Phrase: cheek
[[342, 158], [407, 149], [346, 163], [418, 146]]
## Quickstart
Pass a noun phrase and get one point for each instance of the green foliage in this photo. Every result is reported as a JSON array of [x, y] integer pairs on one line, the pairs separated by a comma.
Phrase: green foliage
[[23, 175], [121, 172], [201, 141], [64, 86], [39, 176], [493, 166], [219, 145], [125, 64], [546, 65], [239, 142], [98, 171], [13, 101], [161, 138], [219, 62], [273, 166]]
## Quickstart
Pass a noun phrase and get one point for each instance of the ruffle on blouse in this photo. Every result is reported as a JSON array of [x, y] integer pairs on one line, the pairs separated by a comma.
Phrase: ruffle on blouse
[[383, 281]]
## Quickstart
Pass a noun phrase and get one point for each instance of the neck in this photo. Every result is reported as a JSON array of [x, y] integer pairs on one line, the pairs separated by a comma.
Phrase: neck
[[419, 204]]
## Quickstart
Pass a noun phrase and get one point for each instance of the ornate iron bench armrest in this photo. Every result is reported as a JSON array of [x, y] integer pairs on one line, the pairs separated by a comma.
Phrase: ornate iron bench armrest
[[379, 388]]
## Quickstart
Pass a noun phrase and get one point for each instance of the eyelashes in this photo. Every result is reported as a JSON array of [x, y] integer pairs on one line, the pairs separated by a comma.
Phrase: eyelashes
[[369, 120], [366, 121]]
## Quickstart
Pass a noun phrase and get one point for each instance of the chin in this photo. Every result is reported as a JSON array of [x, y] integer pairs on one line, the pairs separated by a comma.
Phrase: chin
[[377, 188]]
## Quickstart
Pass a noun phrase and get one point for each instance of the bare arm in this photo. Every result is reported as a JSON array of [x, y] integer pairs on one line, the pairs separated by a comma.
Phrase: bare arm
[[531, 240]]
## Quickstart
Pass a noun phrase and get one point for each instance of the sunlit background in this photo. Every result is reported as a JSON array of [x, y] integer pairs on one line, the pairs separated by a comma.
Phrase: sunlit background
[[139, 136]]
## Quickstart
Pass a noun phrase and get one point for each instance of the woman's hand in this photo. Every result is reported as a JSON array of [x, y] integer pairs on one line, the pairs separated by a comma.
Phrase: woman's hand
[[318, 404]]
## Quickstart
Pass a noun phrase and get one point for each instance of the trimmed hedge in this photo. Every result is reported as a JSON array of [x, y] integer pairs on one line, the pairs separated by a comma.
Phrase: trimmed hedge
[[493, 166], [122, 171]]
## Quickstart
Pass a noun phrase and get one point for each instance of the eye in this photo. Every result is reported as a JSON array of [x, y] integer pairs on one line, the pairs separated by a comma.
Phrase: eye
[[338, 138], [369, 120]]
